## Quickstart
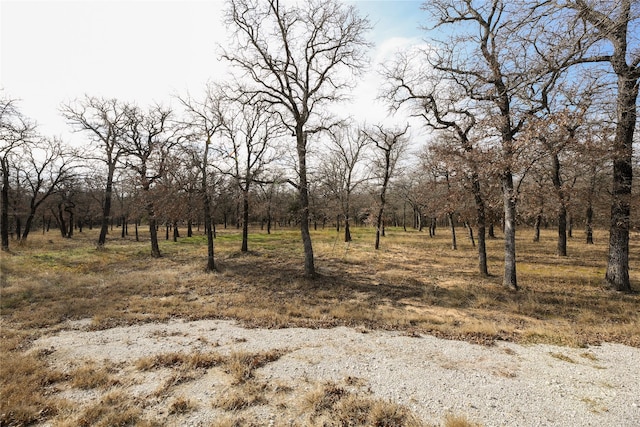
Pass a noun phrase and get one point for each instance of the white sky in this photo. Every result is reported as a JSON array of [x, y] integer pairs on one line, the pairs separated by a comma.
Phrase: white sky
[[143, 51]]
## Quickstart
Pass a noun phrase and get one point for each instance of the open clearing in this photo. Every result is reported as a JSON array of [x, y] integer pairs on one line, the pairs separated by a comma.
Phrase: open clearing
[[409, 335]]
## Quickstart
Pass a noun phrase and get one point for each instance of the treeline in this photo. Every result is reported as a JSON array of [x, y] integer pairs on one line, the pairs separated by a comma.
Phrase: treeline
[[529, 110], [413, 205]]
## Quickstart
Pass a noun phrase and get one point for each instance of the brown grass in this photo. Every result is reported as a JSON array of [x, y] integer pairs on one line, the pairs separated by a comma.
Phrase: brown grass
[[115, 409], [458, 421], [196, 360], [24, 381], [91, 376], [414, 284], [241, 397], [182, 405], [241, 365], [330, 404], [562, 357]]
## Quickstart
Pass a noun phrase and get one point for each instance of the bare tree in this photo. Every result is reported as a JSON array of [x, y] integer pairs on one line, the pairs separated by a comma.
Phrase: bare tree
[[339, 170], [594, 158], [505, 70], [612, 26], [15, 131], [147, 144], [104, 120], [443, 106], [297, 58], [269, 189], [64, 205], [390, 144], [556, 138], [47, 166], [203, 121], [247, 148]]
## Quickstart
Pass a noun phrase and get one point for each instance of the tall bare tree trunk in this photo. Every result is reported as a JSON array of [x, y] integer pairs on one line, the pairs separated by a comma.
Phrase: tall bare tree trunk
[[589, 223], [61, 221], [106, 206], [4, 216], [245, 220], [379, 224], [404, 216], [69, 210], [510, 278], [269, 219], [452, 226], [617, 276], [562, 231], [615, 27], [536, 227], [347, 229], [471, 236], [309, 267], [27, 227], [211, 265], [208, 229], [562, 209], [481, 220], [153, 231]]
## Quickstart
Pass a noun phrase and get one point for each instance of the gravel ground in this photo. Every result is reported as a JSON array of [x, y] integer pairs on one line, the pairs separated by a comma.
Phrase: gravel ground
[[502, 385]]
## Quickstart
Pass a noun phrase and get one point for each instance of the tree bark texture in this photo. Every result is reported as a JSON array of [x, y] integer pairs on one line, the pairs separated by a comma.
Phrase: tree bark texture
[[562, 209], [245, 220], [589, 224], [481, 221], [452, 226], [106, 206], [303, 195], [211, 265], [347, 229], [510, 278], [5, 205], [379, 223], [562, 232], [617, 276], [153, 231], [472, 239]]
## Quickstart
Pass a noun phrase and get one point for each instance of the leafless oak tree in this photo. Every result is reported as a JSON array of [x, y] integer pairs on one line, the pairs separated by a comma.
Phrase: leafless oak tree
[[147, 144], [340, 173], [298, 59], [505, 69], [15, 131], [443, 106], [104, 120], [203, 121], [248, 146], [391, 143], [611, 25], [47, 166]]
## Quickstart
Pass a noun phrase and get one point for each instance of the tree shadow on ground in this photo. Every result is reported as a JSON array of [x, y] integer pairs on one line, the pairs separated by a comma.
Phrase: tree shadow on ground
[[364, 292]]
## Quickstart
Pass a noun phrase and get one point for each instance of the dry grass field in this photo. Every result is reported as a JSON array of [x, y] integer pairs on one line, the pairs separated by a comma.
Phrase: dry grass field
[[415, 284]]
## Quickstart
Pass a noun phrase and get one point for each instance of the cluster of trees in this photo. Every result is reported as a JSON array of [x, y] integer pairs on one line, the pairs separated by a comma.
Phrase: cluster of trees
[[530, 108]]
